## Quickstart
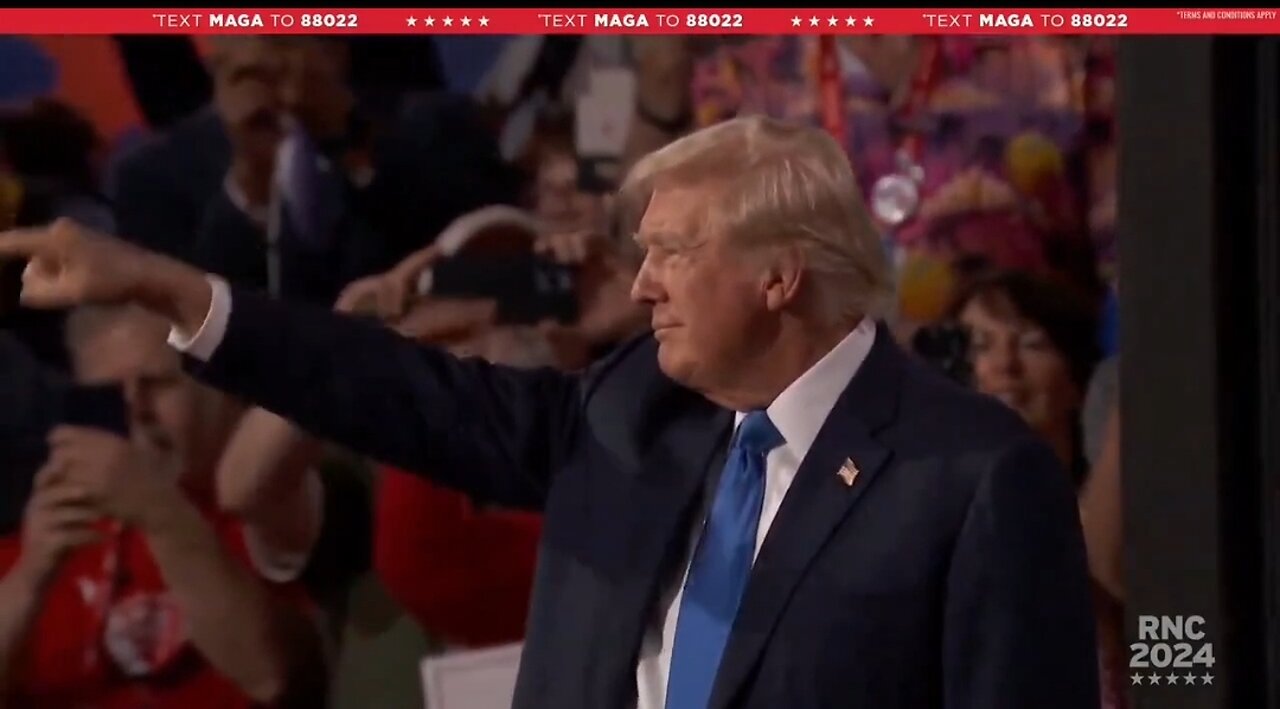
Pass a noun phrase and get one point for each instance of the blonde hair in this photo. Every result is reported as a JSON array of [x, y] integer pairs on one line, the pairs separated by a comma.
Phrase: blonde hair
[[776, 183]]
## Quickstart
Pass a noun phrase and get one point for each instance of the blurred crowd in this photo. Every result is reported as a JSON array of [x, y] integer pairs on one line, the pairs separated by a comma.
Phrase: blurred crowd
[[344, 174]]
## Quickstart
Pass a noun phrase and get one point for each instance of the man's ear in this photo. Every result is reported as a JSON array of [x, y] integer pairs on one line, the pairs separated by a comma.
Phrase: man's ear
[[784, 276]]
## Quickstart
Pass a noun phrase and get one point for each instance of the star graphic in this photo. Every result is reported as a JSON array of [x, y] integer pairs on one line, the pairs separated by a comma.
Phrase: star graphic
[[1136, 679], [868, 21], [1206, 679], [466, 22], [430, 22], [1153, 678], [1189, 679], [851, 22], [1172, 679], [484, 22], [448, 22], [795, 21], [832, 21], [412, 22], [813, 22]]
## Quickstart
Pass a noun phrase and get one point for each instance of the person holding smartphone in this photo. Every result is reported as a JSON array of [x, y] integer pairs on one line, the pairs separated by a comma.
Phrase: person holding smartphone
[[570, 229], [125, 586]]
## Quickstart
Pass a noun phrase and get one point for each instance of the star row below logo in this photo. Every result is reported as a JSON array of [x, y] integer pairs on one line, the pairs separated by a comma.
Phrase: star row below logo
[[834, 21], [1154, 679], [447, 22]]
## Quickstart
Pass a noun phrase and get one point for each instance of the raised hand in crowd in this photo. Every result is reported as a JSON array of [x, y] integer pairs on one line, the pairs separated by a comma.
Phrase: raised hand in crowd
[[59, 518], [391, 297], [387, 295], [607, 313], [446, 320], [131, 481]]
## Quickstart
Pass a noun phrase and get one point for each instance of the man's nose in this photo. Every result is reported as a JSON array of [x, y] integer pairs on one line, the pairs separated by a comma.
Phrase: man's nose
[[645, 288]]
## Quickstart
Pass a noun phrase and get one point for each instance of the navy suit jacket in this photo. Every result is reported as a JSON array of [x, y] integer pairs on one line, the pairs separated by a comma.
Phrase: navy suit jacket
[[434, 161], [951, 574]]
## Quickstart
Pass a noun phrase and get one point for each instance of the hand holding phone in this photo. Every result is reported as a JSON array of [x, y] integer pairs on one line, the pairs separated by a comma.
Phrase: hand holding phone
[[528, 289]]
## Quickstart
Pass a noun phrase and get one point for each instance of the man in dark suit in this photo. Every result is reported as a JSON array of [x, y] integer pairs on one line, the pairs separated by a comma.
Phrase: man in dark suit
[[763, 504], [367, 179]]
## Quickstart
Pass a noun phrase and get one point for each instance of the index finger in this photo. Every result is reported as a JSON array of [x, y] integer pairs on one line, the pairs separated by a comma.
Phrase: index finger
[[23, 243]]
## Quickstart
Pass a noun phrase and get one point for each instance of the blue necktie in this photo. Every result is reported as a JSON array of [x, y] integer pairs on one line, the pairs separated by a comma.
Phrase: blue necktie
[[721, 565]]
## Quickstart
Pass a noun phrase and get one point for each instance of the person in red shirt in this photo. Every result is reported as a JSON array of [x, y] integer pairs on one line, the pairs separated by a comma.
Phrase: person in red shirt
[[125, 587], [463, 571]]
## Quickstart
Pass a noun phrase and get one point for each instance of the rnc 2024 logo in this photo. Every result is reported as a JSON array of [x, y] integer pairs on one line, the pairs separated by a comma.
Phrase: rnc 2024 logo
[[1171, 650]]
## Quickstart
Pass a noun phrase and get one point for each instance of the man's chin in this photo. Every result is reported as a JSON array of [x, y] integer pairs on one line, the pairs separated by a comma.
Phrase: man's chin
[[673, 364]]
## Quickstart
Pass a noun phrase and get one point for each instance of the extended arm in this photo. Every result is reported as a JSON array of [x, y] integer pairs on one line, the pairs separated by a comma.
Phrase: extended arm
[[494, 432]]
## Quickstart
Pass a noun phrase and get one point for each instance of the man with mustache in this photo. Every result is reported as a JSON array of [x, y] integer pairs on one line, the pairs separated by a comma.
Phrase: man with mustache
[[125, 587], [302, 174]]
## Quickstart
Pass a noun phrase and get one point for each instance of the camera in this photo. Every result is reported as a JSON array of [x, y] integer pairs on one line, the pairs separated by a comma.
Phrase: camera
[[946, 347]]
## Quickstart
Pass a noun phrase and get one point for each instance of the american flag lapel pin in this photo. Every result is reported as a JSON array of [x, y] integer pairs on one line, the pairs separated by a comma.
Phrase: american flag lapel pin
[[848, 472]]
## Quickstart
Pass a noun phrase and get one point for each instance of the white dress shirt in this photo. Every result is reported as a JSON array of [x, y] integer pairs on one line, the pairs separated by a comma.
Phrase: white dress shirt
[[798, 413]]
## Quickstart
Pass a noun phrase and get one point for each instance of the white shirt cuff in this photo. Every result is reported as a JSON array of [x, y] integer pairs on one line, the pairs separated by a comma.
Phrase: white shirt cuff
[[205, 341]]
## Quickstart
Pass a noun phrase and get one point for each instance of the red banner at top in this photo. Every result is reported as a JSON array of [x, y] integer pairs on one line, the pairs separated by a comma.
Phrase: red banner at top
[[477, 21]]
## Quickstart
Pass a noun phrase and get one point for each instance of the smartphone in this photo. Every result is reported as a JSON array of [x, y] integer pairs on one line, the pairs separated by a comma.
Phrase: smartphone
[[95, 406], [945, 346], [527, 289]]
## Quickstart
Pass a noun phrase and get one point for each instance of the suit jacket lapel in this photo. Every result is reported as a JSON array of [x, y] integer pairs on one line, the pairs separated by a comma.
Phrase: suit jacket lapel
[[816, 503]]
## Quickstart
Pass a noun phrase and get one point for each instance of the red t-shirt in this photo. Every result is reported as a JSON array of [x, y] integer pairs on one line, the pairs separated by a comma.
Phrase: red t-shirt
[[464, 574], [108, 636]]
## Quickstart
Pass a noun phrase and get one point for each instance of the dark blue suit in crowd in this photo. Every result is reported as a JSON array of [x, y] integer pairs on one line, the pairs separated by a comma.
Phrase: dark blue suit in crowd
[[951, 574], [433, 160]]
